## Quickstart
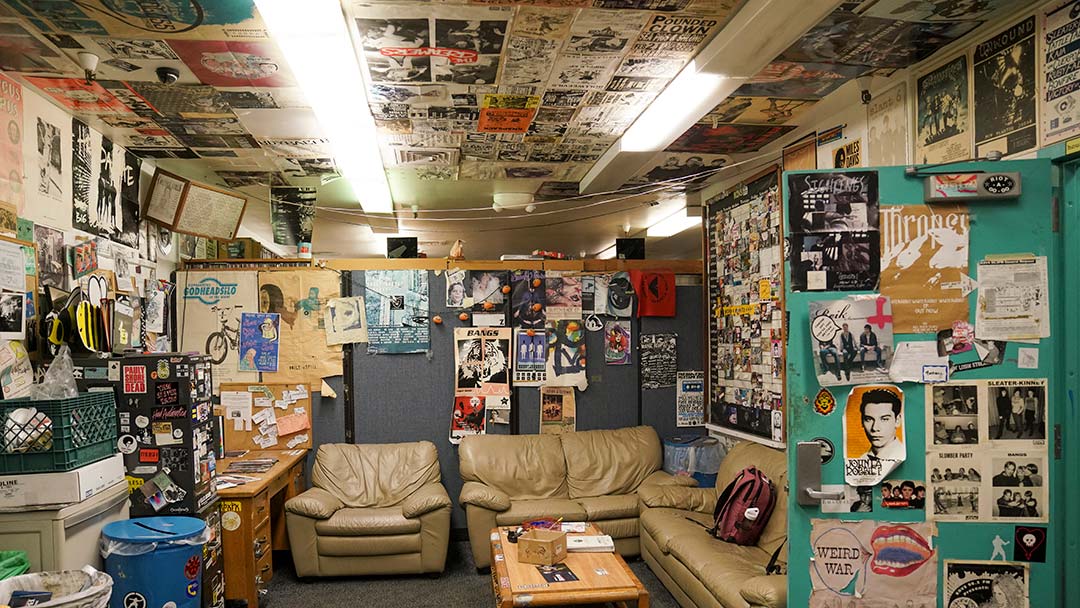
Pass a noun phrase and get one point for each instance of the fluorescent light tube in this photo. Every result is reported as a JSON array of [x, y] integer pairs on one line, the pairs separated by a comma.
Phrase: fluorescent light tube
[[313, 36], [680, 100], [673, 224]]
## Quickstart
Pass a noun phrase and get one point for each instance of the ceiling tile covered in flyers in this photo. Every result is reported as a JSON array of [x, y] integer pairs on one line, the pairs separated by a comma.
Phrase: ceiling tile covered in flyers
[[425, 44]]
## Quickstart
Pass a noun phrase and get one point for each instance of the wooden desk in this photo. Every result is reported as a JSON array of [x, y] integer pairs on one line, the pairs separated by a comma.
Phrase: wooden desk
[[253, 522], [603, 579]]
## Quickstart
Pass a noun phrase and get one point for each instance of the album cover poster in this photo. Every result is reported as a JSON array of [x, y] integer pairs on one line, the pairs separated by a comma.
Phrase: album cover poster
[[468, 417], [1004, 85], [887, 127], [530, 356], [903, 494], [50, 162], [846, 38], [617, 342], [852, 339], [397, 307], [875, 435], [924, 255], [558, 410], [985, 583], [845, 201], [292, 214], [482, 361], [563, 295], [798, 80], [345, 321], [837, 261], [486, 288], [727, 138], [942, 114], [528, 299], [50, 254], [565, 365], [1060, 108]]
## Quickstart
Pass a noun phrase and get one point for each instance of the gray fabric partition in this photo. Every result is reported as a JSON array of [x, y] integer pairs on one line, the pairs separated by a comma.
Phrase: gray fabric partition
[[410, 397]]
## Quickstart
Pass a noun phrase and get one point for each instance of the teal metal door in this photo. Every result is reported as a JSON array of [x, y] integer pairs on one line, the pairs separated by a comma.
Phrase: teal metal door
[[1020, 226]]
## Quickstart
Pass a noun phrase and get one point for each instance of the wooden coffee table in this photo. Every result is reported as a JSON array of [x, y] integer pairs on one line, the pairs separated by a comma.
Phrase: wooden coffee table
[[603, 578]]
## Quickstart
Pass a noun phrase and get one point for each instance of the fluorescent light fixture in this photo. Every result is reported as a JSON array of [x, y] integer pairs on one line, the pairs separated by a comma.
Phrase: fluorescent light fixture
[[667, 113], [313, 36], [673, 224]]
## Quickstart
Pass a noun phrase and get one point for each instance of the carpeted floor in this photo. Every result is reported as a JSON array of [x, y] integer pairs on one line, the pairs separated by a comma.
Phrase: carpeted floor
[[460, 586]]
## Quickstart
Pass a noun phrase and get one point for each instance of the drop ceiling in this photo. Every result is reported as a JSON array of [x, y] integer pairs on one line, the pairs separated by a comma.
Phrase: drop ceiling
[[470, 99]]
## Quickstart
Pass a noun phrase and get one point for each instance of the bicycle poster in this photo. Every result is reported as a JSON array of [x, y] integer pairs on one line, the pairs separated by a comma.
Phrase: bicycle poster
[[208, 309]]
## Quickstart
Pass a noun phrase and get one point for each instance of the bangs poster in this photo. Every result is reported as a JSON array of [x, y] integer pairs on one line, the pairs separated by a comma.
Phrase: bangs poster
[[1004, 84], [942, 114]]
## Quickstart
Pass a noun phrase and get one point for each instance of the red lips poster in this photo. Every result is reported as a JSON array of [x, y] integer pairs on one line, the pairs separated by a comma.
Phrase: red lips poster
[[874, 561]]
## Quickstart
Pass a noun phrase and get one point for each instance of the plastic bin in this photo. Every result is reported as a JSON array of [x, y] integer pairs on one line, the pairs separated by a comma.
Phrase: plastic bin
[[86, 588], [62, 435], [155, 561], [698, 457]]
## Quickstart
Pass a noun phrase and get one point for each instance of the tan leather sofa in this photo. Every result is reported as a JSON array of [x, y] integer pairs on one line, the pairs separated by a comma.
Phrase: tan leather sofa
[[587, 476], [373, 509], [699, 570]]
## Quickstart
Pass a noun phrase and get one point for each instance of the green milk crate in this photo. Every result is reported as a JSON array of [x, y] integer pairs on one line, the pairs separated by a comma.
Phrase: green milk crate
[[64, 434]]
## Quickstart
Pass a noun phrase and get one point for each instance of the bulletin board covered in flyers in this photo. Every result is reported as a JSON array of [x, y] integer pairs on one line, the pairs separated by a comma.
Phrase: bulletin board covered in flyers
[[744, 264]]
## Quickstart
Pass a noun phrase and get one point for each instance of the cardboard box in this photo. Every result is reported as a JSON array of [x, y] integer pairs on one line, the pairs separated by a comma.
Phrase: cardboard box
[[36, 489], [543, 547]]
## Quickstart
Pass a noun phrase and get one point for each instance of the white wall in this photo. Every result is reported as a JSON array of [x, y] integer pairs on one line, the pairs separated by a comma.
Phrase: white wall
[[55, 211]]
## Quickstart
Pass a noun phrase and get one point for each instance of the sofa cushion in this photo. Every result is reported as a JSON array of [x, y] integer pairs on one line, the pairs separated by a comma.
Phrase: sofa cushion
[[665, 524], [525, 510], [721, 567], [374, 475], [350, 546], [619, 528], [525, 467], [367, 522], [609, 507], [604, 463]]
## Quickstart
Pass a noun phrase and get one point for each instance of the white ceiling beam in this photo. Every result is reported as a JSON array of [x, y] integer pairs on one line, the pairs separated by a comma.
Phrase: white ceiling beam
[[759, 31]]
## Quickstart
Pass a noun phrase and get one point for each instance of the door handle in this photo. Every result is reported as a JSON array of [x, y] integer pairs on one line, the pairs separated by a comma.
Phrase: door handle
[[808, 475], [820, 495]]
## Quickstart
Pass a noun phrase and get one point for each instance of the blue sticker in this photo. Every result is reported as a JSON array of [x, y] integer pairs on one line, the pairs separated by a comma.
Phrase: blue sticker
[[193, 588]]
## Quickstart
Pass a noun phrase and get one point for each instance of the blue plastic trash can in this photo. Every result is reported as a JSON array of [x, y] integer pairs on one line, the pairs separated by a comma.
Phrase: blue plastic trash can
[[154, 561]]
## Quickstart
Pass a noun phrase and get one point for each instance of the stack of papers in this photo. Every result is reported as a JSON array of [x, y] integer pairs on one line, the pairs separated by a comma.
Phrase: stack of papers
[[254, 465], [600, 543]]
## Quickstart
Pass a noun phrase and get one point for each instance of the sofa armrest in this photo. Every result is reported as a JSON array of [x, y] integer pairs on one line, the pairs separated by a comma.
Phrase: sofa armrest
[[702, 500], [768, 591], [483, 495], [662, 478], [315, 503], [425, 500]]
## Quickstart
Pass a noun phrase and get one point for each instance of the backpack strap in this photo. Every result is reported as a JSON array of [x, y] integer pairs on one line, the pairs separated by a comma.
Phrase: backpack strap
[[721, 502], [772, 568]]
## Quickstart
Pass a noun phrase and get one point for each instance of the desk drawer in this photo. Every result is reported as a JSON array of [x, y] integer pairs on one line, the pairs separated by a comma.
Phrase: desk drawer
[[261, 540], [260, 507], [264, 570]]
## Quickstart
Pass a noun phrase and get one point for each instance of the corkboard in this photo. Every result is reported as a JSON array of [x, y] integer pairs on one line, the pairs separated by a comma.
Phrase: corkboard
[[245, 440]]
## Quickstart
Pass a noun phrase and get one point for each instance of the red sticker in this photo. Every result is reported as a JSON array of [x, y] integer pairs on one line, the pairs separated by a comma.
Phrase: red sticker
[[191, 568], [134, 379], [148, 455]]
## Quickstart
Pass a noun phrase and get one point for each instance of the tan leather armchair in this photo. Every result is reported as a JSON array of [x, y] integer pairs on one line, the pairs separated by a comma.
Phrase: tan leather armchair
[[373, 509]]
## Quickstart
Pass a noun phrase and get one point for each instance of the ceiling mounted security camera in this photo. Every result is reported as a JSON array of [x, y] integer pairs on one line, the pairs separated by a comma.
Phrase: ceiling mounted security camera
[[167, 75]]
